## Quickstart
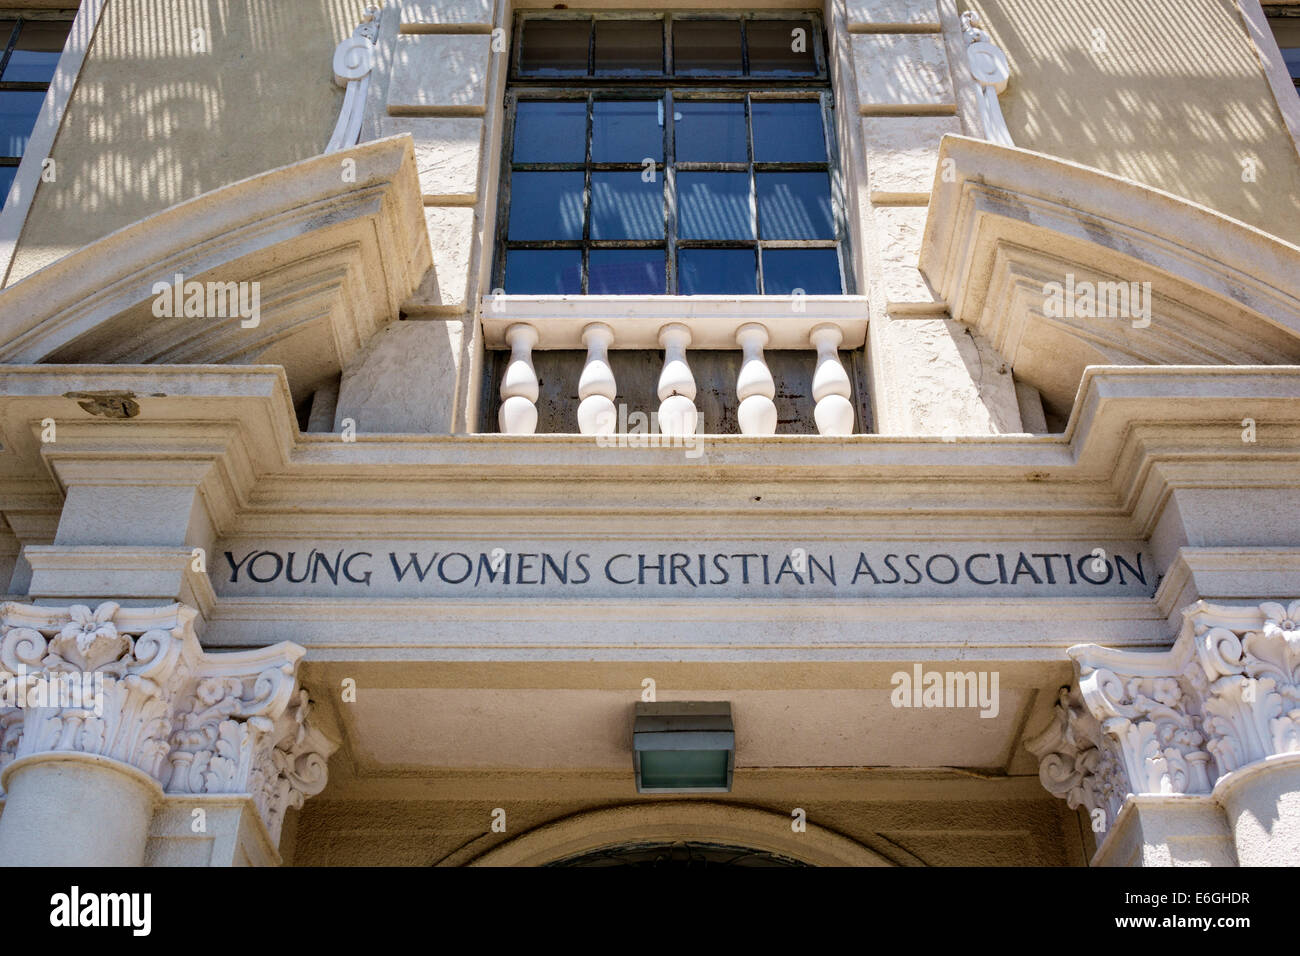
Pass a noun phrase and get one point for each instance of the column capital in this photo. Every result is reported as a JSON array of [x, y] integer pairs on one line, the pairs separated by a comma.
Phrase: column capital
[[135, 686], [1225, 696]]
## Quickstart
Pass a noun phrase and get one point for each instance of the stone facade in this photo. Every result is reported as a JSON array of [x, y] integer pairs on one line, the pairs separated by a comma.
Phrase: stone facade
[[374, 571]]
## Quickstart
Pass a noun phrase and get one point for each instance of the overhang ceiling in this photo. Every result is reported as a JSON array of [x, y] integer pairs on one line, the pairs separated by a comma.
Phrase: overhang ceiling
[[1011, 221], [336, 243]]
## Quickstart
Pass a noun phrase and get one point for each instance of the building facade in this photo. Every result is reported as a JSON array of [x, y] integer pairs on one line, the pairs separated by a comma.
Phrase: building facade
[[457, 432]]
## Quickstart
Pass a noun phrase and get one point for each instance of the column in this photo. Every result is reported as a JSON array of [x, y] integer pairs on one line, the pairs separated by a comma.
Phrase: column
[[110, 714], [1191, 756]]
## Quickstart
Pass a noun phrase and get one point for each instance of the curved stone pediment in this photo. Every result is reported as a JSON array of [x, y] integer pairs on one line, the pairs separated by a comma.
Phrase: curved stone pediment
[[323, 251], [1064, 266]]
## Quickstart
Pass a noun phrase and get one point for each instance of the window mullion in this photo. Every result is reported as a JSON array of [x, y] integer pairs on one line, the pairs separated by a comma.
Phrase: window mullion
[[670, 191], [586, 195], [753, 193]]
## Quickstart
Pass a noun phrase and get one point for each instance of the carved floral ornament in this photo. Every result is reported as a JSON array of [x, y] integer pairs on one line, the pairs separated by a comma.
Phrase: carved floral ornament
[[1225, 696], [149, 696]]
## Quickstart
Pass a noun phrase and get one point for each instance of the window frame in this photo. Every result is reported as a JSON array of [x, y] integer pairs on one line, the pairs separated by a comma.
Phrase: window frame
[[22, 16], [666, 87]]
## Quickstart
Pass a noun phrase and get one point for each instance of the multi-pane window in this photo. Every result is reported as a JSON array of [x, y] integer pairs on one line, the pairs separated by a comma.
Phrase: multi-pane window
[[31, 52], [679, 154]]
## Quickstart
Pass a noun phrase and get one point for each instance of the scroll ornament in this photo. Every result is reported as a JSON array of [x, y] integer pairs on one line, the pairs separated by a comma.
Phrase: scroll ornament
[[988, 65], [198, 723], [1225, 696]]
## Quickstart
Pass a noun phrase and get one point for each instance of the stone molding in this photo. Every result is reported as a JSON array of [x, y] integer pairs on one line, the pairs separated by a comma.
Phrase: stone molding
[[198, 723], [1224, 697], [998, 233]]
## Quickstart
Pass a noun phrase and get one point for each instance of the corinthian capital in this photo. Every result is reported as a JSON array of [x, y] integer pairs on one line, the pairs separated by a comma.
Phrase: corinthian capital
[[135, 685], [1250, 659], [1226, 695]]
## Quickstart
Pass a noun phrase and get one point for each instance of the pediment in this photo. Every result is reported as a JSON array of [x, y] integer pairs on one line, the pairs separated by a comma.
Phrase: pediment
[[332, 255], [1016, 234]]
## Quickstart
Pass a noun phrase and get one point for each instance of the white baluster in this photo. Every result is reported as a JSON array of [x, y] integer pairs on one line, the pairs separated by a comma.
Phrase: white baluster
[[518, 412], [677, 412], [830, 390], [596, 387], [754, 385]]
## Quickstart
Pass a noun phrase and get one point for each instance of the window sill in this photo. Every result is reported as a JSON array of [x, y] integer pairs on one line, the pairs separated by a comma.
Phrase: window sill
[[636, 320]]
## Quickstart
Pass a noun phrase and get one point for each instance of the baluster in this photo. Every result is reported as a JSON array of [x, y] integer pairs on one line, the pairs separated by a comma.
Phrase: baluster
[[830, 390], [677, 412], [518, 412], [754, 385], [596, 387]]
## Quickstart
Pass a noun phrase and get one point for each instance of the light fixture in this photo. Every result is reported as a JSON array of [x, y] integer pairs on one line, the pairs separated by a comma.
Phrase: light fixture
[[683, 747]]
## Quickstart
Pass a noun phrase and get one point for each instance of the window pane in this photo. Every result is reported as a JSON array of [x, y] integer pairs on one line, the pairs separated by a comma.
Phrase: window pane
[[554, 46], [545, 206], [795, 206], [780, 46], [710, 132], [624, 206], [706, 46], [717, 272], [714, 206], [816, 271], [630, 46], [626, 131], [37, 52], [626, 272], [788, 131], [551, 132], [7, 174], [18, 111], [1292, 59], [544, 271]]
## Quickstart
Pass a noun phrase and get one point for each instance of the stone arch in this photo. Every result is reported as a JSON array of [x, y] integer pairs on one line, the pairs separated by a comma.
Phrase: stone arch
[[672, 821]]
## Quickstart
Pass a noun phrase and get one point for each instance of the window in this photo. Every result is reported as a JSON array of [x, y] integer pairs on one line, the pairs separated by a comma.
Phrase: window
[[679, 154], [1286, 30], [31, 53]]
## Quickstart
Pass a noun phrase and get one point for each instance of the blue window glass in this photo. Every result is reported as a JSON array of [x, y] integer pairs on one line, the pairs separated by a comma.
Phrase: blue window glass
[[7, 174], [625, 272], [544, 271], [716, 272], [545, 206], [709, 131], [18, 112], [816, 271], [37, 52], [788, 131], [626, 131], [795, 206], [625, 206], [551, 132], [714, 206]]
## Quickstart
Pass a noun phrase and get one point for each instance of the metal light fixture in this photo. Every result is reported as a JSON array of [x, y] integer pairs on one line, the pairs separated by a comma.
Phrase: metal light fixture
[[683, 747]]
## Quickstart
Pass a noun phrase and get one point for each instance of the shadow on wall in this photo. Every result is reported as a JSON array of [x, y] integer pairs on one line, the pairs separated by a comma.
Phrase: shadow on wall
[[177, 99], [1170, 93]]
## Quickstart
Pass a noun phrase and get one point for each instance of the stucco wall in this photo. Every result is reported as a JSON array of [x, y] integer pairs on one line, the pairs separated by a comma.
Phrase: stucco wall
[[1178, 100], [159, 117]]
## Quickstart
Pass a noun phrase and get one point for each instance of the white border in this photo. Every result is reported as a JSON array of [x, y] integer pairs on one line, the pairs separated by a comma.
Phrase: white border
[[1279, 78], [64, 81]]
